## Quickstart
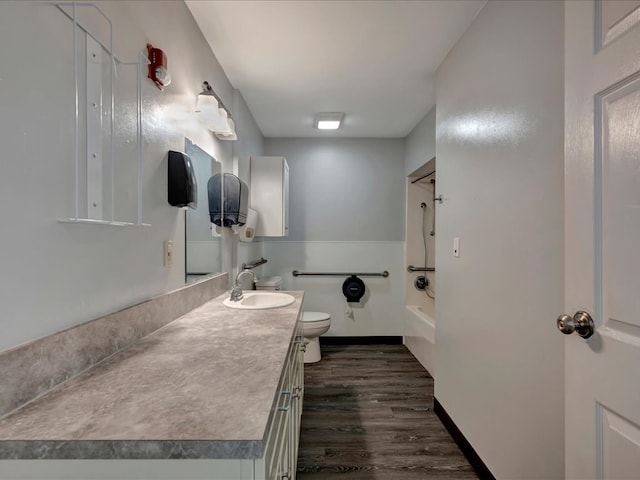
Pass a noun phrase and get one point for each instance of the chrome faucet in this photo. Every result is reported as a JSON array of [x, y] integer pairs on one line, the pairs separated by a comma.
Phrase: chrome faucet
[[236, 291]]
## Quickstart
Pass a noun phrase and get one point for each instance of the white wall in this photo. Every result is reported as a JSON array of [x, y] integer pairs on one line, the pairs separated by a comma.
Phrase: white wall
[[56, 275], [419, 158], [500, 169], [346, 214], [379, 313], [420, 144], [417, 219]]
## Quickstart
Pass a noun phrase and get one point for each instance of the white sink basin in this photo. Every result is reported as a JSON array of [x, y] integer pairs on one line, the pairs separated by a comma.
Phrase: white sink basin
[[260, 300]]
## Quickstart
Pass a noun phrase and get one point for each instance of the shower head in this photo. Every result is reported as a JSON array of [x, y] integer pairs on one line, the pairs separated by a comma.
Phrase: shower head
[[423, 205]]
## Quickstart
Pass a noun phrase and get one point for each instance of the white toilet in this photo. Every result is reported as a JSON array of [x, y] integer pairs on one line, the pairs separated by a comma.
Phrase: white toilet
[[269, 283], [314, 324]]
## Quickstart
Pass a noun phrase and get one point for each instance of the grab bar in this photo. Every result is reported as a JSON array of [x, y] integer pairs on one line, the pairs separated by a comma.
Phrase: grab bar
[[411, 268], [255, 264], [297, 273]]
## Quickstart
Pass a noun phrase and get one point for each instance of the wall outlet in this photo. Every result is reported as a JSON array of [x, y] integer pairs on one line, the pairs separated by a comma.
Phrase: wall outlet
[[168, 253], [456, 246]]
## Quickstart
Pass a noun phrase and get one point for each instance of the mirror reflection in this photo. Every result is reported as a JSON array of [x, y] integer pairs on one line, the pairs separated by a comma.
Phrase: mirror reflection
[[202, 249]]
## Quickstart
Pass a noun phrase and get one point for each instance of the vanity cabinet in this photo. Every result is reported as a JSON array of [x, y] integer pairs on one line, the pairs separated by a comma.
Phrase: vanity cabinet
[[247, 430], [269, 194], [281, 450]]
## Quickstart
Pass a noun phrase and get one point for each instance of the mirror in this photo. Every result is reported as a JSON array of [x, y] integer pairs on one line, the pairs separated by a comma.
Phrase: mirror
[[203, 253]]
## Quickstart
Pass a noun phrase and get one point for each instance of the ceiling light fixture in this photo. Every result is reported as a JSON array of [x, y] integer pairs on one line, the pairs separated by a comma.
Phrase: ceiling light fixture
[[328, 120]]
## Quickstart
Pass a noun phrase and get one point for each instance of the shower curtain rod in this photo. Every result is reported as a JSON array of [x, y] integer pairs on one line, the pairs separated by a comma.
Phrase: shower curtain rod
[[422, 177]]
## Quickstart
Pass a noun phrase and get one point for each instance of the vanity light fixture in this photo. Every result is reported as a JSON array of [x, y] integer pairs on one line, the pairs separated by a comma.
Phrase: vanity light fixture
[[328, 120], [214, 115]]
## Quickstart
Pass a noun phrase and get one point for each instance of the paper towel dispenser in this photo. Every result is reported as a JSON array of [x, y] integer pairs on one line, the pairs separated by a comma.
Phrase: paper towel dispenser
[[182, 187], [230, 208]]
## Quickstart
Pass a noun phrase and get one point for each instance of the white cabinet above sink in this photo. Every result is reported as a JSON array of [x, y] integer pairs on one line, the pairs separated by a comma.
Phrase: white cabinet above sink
[[269, 187]]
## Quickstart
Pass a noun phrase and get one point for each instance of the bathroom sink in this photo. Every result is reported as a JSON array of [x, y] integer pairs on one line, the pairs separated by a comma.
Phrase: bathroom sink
[[260, 300]]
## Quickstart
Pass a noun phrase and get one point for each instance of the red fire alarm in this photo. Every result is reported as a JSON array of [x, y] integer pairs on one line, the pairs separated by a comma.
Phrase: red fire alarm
[[158, 67]]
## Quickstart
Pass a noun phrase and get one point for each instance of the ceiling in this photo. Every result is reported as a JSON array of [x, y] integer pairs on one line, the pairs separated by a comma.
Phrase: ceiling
[[375, 60]]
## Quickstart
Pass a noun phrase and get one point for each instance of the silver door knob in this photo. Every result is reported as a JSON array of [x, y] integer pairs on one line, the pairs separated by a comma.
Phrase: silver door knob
[[581, 322]]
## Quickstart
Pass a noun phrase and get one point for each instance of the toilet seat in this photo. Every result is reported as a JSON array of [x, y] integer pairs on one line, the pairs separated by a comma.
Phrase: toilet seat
[[315, 316]]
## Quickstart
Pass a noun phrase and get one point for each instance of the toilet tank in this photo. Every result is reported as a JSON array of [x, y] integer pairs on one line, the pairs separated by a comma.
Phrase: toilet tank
[[269, 283]]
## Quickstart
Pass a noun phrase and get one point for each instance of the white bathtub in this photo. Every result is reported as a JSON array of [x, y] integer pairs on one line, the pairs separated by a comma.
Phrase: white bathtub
[[420, 336]]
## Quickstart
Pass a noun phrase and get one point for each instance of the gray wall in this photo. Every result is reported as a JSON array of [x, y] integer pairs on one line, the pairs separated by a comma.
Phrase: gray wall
[[344, 189], [346, 215], [499, 137], [250, 143], [420, 144], [56, 275]]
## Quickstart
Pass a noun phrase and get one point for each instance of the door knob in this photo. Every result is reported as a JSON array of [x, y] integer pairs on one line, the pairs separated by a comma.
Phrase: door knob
[[581, 322]]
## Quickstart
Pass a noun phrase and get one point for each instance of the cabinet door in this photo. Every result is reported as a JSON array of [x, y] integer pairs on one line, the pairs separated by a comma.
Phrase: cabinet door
[[284, 470], [297, 399], [269, 186], [279, 463], [285, 204], [281, 451]]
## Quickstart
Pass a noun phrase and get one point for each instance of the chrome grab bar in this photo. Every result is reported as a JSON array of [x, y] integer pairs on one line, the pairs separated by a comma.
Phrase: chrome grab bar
[[297, 273], [411, 268]]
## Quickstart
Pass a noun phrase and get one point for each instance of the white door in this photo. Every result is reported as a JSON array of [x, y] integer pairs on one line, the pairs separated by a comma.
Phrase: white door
[[602, 238]]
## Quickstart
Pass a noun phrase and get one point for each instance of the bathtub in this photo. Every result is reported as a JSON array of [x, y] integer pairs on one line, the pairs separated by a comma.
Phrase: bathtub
[[419, 336]]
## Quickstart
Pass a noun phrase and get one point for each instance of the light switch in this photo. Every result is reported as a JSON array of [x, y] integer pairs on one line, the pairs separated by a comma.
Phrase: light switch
[[456, 246]]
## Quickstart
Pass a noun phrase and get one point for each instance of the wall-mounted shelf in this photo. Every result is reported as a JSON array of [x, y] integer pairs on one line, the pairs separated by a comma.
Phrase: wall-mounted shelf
[[107, 141]]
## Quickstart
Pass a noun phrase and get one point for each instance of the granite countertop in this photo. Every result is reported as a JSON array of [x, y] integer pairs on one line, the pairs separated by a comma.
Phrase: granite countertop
[[202, 386]]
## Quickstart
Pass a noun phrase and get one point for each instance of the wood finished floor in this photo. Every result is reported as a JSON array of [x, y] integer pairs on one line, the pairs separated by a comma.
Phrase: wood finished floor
[[368, 414]]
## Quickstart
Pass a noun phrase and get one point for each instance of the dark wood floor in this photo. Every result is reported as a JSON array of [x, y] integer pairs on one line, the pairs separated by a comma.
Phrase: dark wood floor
[[368, 414]]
